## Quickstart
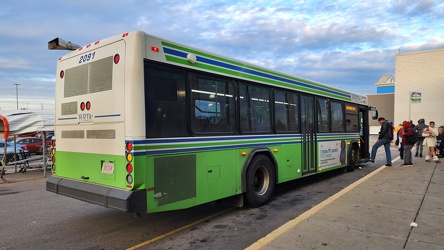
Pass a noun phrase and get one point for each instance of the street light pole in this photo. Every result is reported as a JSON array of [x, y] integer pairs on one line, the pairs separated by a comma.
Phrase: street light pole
[[16, 94]]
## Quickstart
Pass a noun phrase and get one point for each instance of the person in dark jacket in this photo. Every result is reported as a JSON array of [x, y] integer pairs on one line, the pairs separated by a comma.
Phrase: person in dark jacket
[[384, 138], [418, 129], [439, 149], [407, 131]]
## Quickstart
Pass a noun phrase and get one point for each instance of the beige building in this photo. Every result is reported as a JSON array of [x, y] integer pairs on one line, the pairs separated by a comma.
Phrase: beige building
[[383, 101], [419, 87], [418, 91]]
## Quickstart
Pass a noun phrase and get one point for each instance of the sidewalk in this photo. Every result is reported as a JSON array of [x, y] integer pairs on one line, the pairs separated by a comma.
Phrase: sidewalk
[[392, 208]]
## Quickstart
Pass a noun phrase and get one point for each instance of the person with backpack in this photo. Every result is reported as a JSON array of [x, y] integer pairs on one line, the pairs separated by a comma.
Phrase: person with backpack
[[408, 140], [418, 130], [430, 135]]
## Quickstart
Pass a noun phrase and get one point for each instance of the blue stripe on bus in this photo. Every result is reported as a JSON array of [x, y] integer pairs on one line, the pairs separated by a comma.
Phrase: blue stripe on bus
[[248, 142], [239, 137], [212, 138], [97, 116], [253, 72], [67, 118], [104, 116]]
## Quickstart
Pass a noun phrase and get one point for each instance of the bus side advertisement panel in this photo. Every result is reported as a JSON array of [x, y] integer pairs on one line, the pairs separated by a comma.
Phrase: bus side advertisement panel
[[332, 154]]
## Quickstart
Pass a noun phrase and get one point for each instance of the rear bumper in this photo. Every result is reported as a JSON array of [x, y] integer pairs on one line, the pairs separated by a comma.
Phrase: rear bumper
[[129, 201]]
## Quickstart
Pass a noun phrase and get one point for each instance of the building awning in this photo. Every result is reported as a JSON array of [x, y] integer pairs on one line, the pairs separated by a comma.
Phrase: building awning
[[16, 122]]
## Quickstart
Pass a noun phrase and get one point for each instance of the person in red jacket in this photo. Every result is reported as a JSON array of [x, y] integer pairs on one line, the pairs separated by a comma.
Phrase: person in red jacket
[[406, 132]]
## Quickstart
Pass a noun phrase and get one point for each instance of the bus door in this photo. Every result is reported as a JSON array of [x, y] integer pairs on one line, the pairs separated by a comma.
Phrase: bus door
[[308, 150], [364, 132]]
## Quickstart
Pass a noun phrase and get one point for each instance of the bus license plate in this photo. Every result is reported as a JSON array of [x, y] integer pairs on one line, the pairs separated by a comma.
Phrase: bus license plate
[[108, 167]]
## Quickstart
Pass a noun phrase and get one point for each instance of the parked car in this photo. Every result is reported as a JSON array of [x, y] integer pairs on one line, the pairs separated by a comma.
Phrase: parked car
[[10, 155], [31, 144]]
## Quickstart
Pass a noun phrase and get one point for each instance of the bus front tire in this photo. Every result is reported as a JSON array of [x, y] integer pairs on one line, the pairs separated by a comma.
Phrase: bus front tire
[[260, 181]]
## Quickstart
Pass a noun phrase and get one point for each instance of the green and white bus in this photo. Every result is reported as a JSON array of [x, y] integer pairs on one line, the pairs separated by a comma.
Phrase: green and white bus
[[144, 124]]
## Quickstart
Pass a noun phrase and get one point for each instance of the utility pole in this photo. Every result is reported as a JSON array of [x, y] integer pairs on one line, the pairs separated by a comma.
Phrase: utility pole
[[16, 94]]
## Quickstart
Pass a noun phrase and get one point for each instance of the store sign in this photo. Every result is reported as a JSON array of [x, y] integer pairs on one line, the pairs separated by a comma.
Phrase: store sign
[[415, 97]]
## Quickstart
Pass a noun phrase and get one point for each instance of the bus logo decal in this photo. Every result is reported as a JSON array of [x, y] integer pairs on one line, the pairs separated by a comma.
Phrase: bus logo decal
[[85, 118]]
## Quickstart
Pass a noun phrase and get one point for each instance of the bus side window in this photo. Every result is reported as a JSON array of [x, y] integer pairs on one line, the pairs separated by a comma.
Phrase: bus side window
[[212, 105], [323, 111], [254, 109], [337, 112], [351, 118], [165, 101], [286, 111]]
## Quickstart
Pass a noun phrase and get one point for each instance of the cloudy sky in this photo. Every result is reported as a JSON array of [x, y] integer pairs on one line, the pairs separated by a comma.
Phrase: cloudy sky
[[347, 44]]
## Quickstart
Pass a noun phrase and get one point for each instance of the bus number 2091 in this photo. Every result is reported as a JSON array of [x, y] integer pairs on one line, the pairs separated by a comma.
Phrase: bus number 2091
[[87, 57]]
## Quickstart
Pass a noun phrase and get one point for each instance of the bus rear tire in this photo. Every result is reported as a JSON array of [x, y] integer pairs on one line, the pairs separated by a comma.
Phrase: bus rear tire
[[260, 180]]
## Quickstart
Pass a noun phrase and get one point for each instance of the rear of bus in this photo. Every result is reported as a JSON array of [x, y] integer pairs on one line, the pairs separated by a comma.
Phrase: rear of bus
[[96, 86]]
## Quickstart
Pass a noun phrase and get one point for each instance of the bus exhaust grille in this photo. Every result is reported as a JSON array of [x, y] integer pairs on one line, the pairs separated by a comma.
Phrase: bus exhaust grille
[[174, 178], [101, 134], [89, 78], [73, 134], [69, 108]]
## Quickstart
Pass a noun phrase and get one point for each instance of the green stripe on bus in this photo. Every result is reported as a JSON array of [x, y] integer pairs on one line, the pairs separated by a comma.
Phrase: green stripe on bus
[[251, 67], [255, 78]]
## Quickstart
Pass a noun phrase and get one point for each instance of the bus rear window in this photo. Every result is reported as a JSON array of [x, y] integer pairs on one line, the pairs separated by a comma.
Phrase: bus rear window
[[89, 78]]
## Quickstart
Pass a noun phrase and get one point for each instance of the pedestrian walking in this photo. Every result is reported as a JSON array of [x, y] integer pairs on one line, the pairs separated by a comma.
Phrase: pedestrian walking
[[384, 138], [430, 135], [419, 129], [408, 140]]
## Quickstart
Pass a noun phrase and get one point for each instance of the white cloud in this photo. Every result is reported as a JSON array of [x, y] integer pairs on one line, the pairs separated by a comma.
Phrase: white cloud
[[348, 44]]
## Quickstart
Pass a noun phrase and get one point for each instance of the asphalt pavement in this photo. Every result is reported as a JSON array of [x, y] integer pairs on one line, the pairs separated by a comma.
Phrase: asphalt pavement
[[398, 207]]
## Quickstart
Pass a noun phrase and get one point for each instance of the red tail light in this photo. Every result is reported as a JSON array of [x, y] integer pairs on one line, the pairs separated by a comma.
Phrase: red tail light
[[129, 146], [129, 168], [116, 58]]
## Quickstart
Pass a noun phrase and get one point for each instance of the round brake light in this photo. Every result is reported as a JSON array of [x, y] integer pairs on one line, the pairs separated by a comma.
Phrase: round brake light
[[116, 58], [62, 74], [129, 168], [82, 106], [129, 146]]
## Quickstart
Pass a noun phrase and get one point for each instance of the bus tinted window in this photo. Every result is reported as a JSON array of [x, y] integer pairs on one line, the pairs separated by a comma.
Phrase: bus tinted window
[[165, 98], [351, 118], [337, 113], [323, 107], [254, 108], [286, 112], [212, 106]]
